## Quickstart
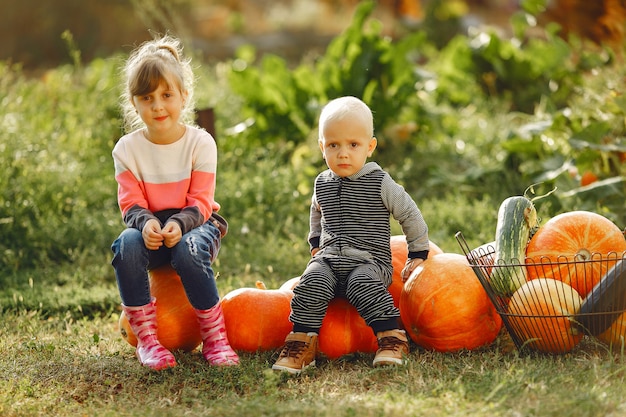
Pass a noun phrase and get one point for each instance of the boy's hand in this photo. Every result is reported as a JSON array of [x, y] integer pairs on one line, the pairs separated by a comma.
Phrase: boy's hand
[[409, 267], [171, 234], [151, 234]]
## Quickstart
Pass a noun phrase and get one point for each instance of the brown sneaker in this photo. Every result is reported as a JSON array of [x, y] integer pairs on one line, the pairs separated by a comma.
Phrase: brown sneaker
[[298, 353], [393, 346]]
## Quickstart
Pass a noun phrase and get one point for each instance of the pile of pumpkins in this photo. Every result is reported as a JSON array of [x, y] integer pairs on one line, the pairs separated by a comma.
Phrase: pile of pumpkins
[[566, 258], [443, 307]]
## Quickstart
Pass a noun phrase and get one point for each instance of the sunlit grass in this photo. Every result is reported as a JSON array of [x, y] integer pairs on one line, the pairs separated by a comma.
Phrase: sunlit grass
[[59, 367]]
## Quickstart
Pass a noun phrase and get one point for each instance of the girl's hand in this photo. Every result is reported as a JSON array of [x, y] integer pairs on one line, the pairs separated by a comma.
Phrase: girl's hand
[[151, 234], [409, 267], [171, 234]]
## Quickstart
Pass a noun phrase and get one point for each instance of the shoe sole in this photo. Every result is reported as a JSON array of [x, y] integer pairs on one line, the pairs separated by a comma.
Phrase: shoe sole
[[388, 361], [292, 371]]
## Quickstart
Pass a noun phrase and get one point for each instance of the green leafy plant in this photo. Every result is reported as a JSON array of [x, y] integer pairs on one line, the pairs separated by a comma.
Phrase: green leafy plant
[[285, 103]]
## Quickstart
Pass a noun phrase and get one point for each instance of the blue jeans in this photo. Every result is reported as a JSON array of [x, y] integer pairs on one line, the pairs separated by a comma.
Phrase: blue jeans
[[191, 258]]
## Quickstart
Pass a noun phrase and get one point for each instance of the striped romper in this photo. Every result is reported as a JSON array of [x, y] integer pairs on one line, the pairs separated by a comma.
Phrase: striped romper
[[350, 223]]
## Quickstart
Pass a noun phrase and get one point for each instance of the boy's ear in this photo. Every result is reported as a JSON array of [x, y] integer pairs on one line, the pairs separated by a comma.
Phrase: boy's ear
[[372, 146], [321, 145]]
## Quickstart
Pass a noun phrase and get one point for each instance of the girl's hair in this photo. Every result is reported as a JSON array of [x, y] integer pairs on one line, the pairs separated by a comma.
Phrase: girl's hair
[[342, 107], [152, 63]]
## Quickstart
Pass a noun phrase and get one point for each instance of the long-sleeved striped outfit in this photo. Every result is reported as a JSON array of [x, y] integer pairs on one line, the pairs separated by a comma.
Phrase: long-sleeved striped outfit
[[350, 223]]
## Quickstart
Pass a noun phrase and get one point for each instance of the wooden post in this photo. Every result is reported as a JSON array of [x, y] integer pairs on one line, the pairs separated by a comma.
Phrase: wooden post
[[206, 120]]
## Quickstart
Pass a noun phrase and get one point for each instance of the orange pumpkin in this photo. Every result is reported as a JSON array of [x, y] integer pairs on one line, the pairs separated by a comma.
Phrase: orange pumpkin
[[445, 308], [615, 335], [177, 325], [257, 319], [541, 313], [575, 236], [344, 331], [399, 254]]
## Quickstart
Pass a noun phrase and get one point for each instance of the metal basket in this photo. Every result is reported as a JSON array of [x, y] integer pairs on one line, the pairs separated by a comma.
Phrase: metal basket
[[547, 316]]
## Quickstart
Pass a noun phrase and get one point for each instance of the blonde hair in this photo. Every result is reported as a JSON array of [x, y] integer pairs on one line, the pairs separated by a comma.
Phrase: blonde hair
[[152, 63], [343, 107]]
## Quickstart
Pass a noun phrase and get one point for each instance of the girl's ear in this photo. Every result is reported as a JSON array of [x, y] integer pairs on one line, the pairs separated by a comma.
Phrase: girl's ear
[[185, 95]]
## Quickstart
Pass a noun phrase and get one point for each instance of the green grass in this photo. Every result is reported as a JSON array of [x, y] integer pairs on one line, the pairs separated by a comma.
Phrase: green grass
[[61, 367]]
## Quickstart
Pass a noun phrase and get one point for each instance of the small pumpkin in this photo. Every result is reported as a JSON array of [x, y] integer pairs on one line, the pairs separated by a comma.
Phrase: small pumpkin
[[615, 335], [257, 319], [177, 325], [542, 314], [290, 284], [399, 255], [344, 331], [445, 308], [575, 236], [483, 257]]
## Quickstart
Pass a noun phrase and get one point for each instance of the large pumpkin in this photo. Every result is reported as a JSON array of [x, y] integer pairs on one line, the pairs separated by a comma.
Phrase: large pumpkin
[[344, 331], [445, 308], [542, 314], [575, 236], [399, 255], [257, 319], [177, 325]]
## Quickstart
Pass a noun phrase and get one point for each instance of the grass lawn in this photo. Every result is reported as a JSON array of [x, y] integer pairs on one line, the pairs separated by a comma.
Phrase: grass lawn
[[62, 367]]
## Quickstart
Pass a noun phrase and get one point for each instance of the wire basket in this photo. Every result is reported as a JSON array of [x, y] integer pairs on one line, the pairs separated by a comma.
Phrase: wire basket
[[549, 306]]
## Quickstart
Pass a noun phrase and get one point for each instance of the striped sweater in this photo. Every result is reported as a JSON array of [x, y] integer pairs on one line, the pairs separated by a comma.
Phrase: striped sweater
[[174, 181], [351, 215]]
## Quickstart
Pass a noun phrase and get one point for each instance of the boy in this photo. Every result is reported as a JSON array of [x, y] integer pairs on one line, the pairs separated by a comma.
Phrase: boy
[[349, 239]]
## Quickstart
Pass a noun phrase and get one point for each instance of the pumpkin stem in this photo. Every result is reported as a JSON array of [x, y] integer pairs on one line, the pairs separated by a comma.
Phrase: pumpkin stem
[[260, 285], [583, 254]]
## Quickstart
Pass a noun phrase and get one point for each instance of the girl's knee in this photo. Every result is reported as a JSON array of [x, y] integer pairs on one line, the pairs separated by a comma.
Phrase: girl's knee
[[191, 252], [128, 240]]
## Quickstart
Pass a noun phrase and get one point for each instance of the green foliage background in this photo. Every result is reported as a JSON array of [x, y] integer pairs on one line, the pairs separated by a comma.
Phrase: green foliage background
[[461, 125]]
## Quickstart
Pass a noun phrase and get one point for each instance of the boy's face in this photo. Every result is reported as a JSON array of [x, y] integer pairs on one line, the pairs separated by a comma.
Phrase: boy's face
[[346, 145]]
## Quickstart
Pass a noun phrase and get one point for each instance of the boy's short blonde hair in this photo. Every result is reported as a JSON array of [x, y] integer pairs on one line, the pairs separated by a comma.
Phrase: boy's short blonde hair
[[342, 107]]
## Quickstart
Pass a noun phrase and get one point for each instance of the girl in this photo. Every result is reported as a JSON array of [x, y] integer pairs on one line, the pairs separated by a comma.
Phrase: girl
[[165, 170]]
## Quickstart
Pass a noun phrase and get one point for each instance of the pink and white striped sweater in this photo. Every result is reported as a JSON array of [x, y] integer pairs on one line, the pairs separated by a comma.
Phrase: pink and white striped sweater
[[174, 181]]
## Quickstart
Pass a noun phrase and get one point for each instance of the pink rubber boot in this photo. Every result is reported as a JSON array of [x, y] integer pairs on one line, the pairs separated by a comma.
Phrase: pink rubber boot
[[215, 346], [150, 352]]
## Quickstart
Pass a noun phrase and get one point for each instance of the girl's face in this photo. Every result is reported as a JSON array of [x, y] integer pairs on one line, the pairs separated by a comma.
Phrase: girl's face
[[160, 110], [346, 145]]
